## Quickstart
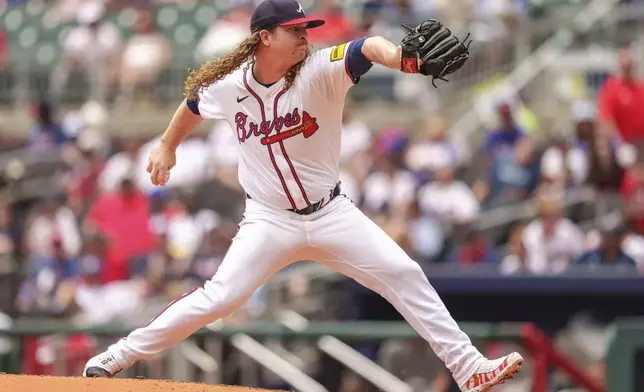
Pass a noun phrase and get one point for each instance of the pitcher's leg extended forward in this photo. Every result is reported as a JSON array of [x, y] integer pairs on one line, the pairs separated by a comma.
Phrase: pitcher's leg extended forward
[[258, 251], [352, 244]]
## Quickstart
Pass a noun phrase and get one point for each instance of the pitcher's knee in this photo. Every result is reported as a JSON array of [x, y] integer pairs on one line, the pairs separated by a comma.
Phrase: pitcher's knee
[[223, 300], [408, 270]]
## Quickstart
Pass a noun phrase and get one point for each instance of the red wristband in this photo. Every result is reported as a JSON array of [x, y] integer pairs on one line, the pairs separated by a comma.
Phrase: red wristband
[[409, 65]]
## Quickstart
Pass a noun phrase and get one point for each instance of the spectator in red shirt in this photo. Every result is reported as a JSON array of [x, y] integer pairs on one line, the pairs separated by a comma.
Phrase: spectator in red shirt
[[123, 217], [621, 100], [4, 49], [633, 195], [84, 176]]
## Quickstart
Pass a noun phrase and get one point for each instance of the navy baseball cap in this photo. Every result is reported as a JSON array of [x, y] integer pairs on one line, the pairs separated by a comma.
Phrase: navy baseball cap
[[271, 13]]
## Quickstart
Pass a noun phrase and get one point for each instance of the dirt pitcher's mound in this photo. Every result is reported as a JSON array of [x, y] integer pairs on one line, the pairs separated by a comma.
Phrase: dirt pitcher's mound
[[15, 383]]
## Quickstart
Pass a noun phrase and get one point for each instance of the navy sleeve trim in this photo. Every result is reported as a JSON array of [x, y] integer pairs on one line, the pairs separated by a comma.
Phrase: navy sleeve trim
[[357, 64], [193, 105]]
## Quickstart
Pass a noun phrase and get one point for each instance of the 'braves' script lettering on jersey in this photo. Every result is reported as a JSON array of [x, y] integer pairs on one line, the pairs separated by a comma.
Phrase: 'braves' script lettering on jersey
[[305, 125], [284, 159]]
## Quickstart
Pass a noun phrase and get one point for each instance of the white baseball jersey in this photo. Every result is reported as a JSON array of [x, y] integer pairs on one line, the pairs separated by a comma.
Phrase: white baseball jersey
[[289, 140], [289, 155]]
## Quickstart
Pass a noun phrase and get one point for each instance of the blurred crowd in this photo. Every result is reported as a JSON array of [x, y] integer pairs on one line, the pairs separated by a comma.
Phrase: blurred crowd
[[110, 224], [118, 62], [411, 186], [109, 236]]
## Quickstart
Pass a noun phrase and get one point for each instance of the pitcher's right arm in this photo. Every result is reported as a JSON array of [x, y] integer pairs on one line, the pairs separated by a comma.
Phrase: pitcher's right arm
[[186, 118], [184, 121]]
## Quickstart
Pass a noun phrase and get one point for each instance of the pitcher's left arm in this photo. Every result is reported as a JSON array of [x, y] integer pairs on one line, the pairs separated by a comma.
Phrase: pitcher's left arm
[[429, 49], [381, 51]]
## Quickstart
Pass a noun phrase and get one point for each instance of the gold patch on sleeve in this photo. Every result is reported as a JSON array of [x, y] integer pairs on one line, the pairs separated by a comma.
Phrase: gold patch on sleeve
[[338, 52]]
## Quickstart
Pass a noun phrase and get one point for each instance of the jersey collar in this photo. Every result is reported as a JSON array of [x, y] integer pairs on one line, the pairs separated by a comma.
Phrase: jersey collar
[[260, 88]]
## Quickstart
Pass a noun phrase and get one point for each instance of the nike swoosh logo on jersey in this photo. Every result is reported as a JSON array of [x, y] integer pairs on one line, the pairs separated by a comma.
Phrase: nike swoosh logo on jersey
[[241, 99]]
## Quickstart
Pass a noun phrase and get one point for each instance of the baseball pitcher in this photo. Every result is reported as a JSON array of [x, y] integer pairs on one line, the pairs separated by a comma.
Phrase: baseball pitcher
[[285, 105]]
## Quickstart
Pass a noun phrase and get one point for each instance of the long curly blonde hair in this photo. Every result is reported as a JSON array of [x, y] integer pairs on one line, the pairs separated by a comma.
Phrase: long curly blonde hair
[[212, 71]]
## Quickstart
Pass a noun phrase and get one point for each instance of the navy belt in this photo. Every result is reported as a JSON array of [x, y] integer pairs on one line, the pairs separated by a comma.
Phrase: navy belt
[[315, 206]]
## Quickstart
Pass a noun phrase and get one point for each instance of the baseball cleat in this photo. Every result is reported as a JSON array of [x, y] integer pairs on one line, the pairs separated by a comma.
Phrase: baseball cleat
[[493, 372], [103, 365]]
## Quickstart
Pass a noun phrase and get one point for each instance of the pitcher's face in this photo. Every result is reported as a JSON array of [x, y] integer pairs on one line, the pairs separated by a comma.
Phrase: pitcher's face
[[288, 43]]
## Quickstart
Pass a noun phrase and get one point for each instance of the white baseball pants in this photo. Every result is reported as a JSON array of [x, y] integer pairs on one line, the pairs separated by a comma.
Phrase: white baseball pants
[[340, 236]]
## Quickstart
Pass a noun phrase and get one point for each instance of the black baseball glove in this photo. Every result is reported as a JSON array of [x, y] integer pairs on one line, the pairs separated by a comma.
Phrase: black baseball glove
[[431, 50]]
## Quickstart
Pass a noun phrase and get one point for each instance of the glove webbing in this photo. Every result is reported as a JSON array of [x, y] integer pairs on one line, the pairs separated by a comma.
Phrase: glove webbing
[[452, 61]]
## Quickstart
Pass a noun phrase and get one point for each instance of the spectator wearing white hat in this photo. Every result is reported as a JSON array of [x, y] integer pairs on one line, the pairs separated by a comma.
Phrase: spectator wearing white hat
[[430, 152], [449, 200], [551, 241]]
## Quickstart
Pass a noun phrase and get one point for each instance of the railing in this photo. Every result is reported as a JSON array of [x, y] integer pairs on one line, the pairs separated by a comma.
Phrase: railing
[[348, 356], [244, 338], [201, 359], [382, 379], [272, 361]]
